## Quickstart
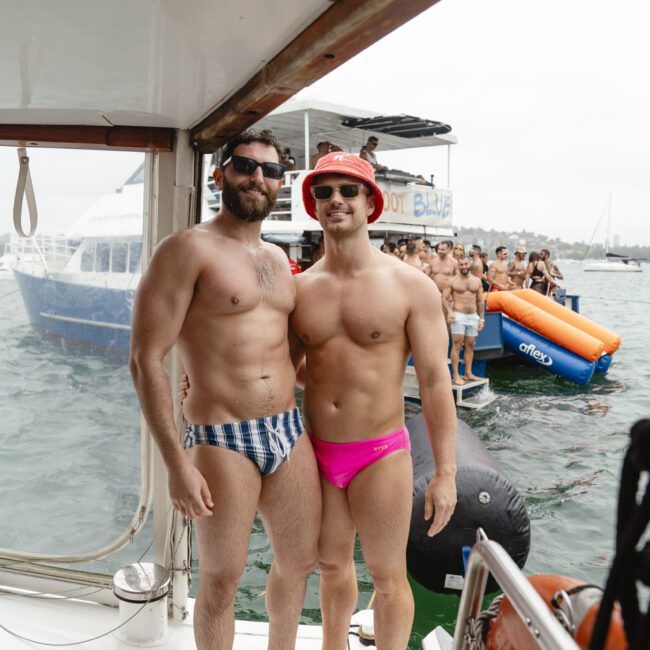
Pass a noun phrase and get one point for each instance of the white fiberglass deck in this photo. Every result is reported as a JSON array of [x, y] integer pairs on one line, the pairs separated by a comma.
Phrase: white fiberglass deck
[[63, 621]]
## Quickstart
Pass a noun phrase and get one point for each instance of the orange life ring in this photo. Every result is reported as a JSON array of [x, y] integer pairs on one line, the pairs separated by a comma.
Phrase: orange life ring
[[508, 632]]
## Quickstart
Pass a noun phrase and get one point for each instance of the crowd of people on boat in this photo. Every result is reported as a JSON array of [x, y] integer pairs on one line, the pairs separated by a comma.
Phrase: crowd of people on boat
[[440, 262]]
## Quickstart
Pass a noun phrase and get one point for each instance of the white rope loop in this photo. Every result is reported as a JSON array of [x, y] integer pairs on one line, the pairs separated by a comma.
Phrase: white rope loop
[[24, 188]]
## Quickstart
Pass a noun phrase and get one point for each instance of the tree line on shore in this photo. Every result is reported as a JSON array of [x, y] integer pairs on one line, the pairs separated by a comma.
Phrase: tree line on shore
[[490, 239]]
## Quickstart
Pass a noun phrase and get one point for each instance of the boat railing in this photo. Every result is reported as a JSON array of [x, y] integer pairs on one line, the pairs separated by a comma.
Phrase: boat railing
[[42, 253], [488, 557]]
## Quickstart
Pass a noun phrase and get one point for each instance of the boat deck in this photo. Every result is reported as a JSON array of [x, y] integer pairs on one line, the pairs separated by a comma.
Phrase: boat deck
[[62, 621]]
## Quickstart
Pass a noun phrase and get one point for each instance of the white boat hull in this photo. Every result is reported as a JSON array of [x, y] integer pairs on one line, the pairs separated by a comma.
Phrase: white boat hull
[[613, 267]]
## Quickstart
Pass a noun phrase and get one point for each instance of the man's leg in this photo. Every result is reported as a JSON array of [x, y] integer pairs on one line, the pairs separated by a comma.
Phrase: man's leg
[[290, 507], [234, 483], [380, 499], [468, 356], [338, 578], [456, 345]]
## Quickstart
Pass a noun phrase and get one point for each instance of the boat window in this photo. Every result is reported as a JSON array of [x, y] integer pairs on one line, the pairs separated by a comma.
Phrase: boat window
[[103, 258], [119, 253], [88, 258], [135, 253], [70, 420]]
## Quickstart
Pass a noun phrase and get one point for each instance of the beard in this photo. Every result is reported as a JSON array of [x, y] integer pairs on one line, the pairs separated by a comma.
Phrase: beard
[[244, 206]]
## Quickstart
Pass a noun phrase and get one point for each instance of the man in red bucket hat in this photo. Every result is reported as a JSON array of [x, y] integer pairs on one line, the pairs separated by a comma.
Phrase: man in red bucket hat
[[359, 313]]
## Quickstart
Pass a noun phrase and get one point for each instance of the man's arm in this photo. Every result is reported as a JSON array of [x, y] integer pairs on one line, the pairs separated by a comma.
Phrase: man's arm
[[429, 340], [491, 273], [448, 303], [162, 300], [555, 271], [480, 306]]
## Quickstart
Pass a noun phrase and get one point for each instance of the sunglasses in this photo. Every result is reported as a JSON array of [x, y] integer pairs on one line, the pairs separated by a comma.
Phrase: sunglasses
[[347, 191], [247, 166]]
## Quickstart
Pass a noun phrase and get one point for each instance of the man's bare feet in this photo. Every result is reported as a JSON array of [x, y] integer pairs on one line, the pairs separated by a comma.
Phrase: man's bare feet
[[471, 377], [458, 381]]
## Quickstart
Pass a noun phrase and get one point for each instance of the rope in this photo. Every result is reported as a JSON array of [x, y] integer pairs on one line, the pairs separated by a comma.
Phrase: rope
[[629, 565], [4, 295], [24, 189]]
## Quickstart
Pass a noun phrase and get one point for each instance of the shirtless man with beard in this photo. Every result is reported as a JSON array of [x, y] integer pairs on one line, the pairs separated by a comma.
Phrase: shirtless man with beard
[[498, 271], [412, 257], [517, 268], [359, 315], [463, 299], [443, 265], [224, 297]]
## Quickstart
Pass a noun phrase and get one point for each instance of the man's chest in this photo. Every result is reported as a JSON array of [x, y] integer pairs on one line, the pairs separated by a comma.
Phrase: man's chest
[[240, 283], [365, 313]]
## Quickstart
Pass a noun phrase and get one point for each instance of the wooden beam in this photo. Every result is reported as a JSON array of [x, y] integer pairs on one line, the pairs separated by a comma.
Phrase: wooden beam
[[118, 138], [340, 33]]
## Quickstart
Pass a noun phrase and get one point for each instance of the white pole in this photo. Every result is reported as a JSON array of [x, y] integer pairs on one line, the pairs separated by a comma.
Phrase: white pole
[[306, 139], [448, 166]]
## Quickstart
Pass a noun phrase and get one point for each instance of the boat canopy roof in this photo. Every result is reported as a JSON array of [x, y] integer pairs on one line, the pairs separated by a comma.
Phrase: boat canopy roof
[[348, 127], [105, 70]]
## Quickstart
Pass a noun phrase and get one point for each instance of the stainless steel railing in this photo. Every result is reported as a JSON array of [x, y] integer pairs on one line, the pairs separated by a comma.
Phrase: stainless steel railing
[[489, 557]]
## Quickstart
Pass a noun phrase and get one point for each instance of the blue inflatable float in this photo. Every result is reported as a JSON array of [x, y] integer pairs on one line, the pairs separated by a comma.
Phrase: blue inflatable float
[[539, 351]]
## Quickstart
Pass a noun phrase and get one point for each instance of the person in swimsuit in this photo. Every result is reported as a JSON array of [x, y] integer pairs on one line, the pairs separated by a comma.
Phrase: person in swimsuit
[[465, 307], [540, 279], [498, 272], [223, 296], [517, 268], [359, 315], [443, 265]]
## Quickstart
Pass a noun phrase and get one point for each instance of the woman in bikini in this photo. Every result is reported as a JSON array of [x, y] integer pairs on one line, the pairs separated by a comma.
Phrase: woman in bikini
[[540, 280]]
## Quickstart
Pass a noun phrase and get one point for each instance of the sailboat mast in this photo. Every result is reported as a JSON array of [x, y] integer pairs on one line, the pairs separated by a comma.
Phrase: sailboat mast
[[609, 225]]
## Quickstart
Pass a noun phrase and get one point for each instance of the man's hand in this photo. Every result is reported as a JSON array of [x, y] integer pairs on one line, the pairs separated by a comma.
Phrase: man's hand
[[440, 498], [183, 388], [451, 317], [189, 492], [481, 323]]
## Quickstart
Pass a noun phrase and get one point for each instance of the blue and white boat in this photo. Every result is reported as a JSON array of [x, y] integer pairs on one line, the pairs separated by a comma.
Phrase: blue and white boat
[[79, 286]]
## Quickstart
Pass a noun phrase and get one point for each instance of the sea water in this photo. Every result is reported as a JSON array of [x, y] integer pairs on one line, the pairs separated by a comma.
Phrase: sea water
[[70, 448]]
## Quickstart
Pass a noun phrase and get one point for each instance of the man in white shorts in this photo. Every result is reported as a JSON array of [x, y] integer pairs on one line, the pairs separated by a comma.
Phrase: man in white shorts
[[463, 299]]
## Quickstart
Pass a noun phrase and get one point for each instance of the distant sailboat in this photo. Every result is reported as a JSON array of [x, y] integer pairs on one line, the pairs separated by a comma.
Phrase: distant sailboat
[[613, 261]]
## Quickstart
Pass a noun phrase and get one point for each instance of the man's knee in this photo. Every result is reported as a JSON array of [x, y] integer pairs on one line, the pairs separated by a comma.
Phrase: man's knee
[[387, 578], [218, 589], [336, 567], [302, 563]]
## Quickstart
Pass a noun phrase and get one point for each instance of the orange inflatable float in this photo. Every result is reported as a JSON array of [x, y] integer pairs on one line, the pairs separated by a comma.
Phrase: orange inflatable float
[[611, 341], [508, 632], [564, 334]]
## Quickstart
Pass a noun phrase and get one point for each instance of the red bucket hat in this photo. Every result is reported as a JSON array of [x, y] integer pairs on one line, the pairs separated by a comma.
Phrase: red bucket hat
[[349, 164]]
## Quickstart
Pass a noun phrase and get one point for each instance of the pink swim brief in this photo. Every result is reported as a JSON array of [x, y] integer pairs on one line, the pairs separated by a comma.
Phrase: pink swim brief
[[340, 462]]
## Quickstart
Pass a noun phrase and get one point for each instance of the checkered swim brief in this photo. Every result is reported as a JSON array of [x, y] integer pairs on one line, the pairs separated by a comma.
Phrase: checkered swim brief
[[266, 441]]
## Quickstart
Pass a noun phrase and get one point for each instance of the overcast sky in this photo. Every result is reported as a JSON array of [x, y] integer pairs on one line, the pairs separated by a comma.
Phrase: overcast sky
[[549, 100]]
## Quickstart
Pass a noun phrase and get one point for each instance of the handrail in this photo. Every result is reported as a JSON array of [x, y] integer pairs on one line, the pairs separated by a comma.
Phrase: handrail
[[488, 556]]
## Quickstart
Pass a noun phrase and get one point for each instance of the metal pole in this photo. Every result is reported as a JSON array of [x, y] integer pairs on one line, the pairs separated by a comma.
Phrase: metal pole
[[306, 138], [448, 166]]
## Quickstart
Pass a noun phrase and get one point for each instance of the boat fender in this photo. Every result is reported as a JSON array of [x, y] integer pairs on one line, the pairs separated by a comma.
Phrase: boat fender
[[486, 498], [574, 603]]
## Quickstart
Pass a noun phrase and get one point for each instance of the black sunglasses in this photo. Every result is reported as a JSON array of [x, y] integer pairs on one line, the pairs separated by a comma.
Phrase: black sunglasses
[[247, 166], [347, 191]]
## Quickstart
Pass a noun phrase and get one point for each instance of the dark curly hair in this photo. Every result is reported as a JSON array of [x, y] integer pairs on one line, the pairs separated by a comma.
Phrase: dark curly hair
[[253, 135]]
